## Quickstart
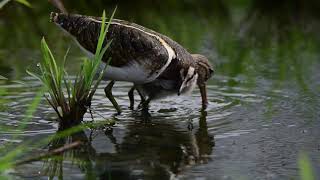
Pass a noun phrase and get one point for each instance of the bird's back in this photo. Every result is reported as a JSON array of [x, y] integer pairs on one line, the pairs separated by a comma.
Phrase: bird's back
[[138, 54]]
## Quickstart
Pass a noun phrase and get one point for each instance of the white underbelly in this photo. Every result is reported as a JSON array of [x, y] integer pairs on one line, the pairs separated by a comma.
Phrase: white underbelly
[[131, 73]]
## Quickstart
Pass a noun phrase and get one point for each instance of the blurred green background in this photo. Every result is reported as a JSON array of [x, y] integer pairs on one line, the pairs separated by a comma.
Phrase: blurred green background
[[274, 39]]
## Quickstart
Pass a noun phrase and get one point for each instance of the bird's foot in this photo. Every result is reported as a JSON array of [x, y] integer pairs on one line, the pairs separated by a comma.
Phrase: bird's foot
[[144, 105], [131, 98]]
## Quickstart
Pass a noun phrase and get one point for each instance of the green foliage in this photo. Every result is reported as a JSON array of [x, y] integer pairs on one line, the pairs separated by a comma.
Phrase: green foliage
[[24, 2], [3, 92], [71, 100], [305, 167]]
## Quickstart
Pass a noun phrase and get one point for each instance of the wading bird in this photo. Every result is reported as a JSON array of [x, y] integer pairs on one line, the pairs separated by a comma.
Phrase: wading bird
[[154, 63]]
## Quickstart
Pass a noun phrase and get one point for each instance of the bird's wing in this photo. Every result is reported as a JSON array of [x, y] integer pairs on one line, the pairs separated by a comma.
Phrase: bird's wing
[[132, 47]]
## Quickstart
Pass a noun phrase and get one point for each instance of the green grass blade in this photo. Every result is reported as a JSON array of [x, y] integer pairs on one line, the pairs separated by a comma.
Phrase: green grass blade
[[101, 39], [103, 51], [111, 18], [3, 78], [305, 167], [34, 75], [65, 57], [24, 2], [3, 3]]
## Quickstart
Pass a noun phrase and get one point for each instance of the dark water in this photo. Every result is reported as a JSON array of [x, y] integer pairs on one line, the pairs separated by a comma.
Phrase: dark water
[[264, 111]]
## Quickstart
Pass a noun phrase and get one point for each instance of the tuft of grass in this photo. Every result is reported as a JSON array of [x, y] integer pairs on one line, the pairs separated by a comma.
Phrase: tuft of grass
[[70, 100]]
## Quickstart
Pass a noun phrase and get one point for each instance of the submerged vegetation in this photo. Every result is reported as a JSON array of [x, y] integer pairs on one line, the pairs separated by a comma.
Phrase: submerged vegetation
[[72, 100]]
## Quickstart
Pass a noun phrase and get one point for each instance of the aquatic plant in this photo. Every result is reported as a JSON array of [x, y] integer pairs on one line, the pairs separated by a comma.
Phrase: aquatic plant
[[12, 155], [70, 100]]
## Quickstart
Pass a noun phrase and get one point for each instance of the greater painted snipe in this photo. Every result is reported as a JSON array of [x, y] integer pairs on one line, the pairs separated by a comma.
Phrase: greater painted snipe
[[154, 63]]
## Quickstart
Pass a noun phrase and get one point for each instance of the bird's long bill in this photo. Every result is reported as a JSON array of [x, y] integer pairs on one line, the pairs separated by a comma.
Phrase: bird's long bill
[[203, 92]]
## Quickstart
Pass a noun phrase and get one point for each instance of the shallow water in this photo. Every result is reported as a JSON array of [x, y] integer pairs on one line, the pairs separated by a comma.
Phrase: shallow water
[[264, 106], [244, 133]]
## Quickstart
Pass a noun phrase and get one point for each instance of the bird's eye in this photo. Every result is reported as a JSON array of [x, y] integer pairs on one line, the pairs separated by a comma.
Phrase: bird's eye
[[61, 23], [211, 71]]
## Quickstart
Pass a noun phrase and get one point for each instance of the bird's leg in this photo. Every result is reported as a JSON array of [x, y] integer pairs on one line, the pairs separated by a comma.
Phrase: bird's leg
[[203, 92], [141, 96], [108, 92], [131, 97], [145, 103]]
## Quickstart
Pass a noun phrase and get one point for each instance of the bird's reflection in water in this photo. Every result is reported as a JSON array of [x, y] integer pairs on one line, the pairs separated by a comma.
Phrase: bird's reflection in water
[[148, 150]]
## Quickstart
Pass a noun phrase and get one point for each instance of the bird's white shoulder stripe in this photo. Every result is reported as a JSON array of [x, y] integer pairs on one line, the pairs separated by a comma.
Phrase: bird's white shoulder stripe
[[171, 52]]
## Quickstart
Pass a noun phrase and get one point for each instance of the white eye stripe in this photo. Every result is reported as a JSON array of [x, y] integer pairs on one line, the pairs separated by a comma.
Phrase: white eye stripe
[[190, 71], [190, 75], [193, 76]]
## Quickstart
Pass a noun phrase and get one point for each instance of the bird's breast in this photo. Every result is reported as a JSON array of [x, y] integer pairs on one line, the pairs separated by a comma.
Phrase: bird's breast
[[132, 72]]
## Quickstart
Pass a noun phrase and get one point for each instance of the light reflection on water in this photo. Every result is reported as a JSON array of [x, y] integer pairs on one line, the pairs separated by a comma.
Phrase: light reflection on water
[[175, 139]]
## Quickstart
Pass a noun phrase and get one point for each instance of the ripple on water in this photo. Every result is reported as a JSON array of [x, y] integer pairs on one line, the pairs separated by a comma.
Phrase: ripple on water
[[232, 113], [176, 109]]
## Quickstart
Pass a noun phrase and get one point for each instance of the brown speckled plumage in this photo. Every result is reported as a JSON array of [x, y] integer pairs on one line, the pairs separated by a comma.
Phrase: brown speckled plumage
[[134, 44]]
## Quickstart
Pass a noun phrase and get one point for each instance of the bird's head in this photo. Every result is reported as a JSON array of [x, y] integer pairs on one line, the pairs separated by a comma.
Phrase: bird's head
[[65, 21], [75, 24], [203, 68], [84, 29], [199, 74]]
